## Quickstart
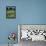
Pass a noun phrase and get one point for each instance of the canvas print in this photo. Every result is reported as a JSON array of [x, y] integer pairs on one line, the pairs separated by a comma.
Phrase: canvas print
[[10, 12], [33, 32]]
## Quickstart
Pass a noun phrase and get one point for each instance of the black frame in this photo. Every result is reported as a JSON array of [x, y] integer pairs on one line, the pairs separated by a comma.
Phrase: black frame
[[10, 8]]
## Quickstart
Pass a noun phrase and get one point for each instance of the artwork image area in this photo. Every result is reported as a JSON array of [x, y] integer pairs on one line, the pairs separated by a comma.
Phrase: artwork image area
[[11, 12], [33, 32]]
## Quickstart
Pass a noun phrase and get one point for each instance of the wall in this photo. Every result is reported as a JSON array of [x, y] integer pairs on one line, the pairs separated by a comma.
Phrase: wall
[[27, 12], [31, 11], [6, 25]]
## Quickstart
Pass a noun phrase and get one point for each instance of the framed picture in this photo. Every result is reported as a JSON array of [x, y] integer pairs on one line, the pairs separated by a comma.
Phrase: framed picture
[[33, 32], [10, 12]]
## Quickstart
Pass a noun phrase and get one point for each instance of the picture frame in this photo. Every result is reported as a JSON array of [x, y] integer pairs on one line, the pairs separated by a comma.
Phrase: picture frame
[[10, 12]]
